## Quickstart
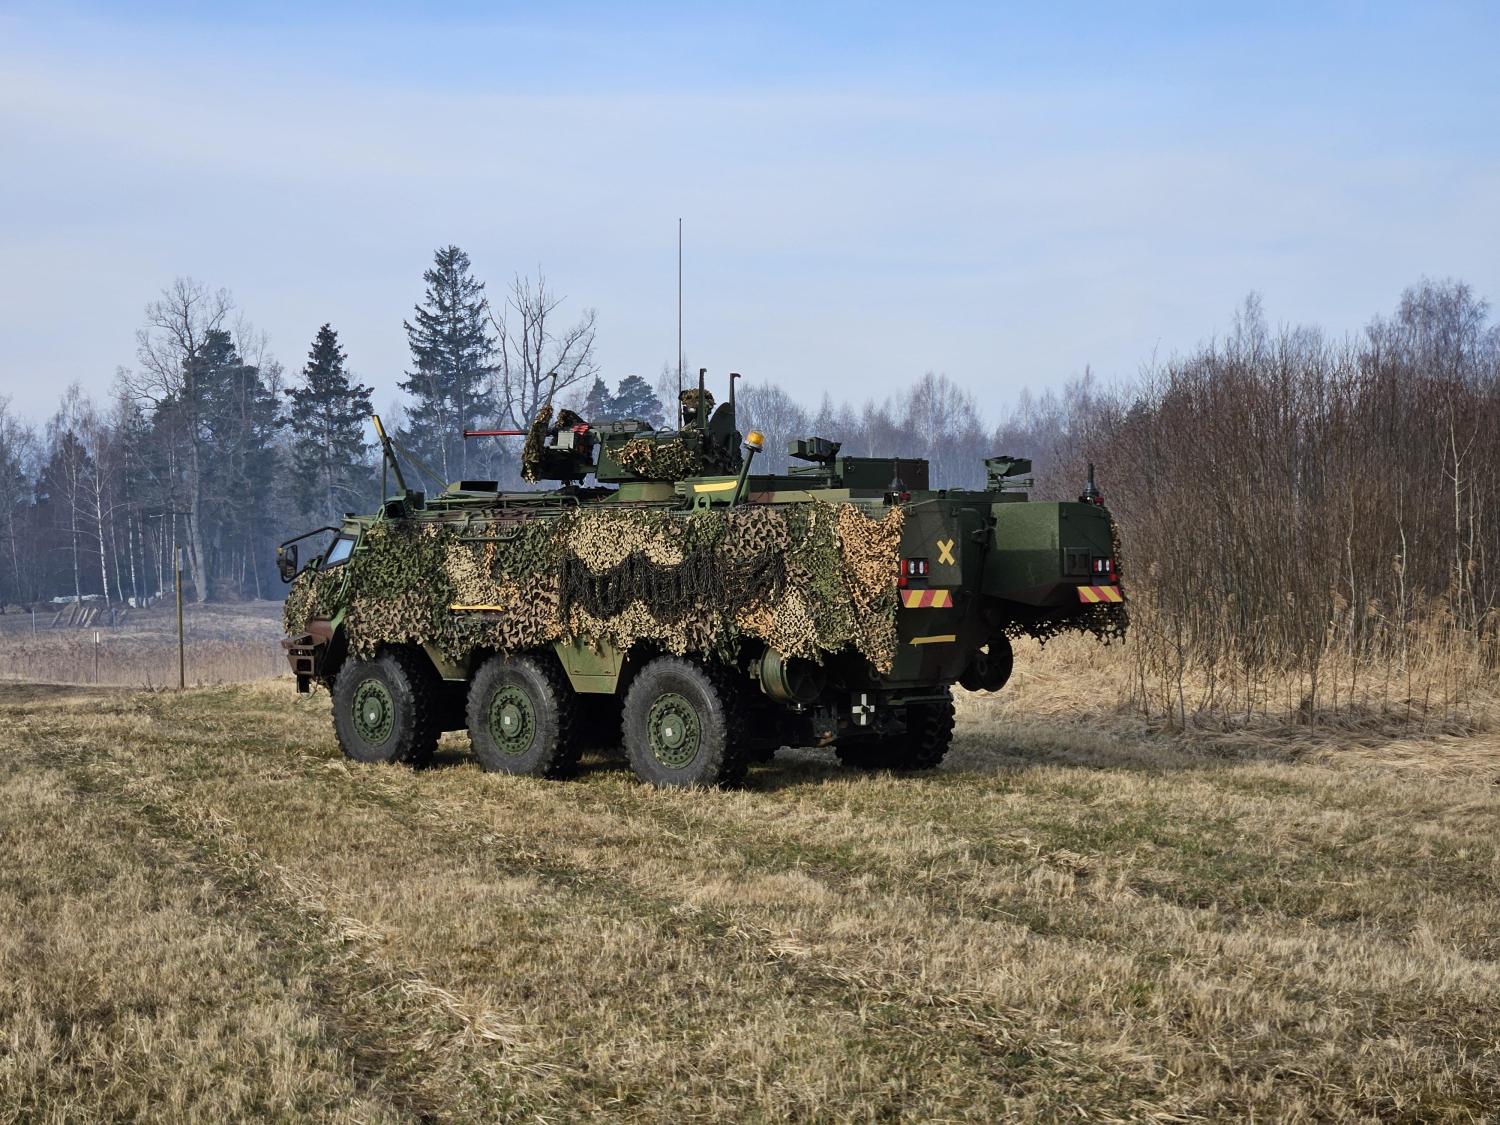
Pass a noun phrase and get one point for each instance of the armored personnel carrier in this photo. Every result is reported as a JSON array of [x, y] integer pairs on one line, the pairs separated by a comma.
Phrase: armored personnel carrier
[[666, 597]]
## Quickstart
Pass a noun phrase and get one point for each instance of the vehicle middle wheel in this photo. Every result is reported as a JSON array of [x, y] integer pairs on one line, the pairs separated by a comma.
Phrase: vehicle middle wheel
[[386, 709], [680, 727], [520, 717]]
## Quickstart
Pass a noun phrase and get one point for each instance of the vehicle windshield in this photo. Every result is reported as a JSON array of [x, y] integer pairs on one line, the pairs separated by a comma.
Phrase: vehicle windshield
[[339, 551]]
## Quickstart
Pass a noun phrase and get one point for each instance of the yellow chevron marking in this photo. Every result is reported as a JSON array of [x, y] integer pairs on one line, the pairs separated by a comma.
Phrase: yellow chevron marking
[[1085, 594], [942, 599], [1113, 595], [716, 486], [945, 551], [938, 639]]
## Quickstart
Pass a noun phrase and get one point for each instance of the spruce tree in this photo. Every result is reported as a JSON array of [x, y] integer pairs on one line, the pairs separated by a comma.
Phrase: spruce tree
[[634, 398], [329, 416], [598, 404], [453, 355], [242, 416]]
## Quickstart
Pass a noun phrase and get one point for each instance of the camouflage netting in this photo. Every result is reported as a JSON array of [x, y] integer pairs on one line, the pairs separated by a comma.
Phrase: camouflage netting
[[673, 459], [531, 451], [535, 452], [1107, 621], [807, 579]]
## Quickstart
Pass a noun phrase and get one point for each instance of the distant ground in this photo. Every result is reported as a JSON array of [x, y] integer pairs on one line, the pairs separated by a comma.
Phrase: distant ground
[[210, 914], [224, 644]]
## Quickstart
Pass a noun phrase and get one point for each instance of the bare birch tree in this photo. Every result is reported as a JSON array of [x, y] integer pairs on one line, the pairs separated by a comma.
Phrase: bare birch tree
[[537, 361], [177, 327]]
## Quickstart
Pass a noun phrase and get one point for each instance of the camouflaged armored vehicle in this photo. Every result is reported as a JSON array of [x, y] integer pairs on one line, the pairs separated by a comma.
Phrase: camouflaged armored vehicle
[[683, 606]]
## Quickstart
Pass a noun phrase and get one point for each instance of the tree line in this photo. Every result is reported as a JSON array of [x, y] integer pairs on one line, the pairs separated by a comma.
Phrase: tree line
[[1283, 495], [1301, 507], [207, 452]]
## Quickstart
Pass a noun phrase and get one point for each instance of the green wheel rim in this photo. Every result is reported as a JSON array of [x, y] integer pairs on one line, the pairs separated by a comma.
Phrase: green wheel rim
[[675, 734], [374, 712], [512, 720]]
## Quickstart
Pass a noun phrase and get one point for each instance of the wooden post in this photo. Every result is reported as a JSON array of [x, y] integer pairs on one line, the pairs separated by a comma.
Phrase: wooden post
[[181, 661]]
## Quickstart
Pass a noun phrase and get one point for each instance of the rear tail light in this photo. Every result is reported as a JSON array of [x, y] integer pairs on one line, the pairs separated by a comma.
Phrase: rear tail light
[[913, 568], [1105, 569]]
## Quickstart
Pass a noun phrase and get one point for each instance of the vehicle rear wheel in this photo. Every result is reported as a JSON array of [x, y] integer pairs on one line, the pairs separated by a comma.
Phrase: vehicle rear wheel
[[922, 746], [521, 717], [386, 709], [680, 725]]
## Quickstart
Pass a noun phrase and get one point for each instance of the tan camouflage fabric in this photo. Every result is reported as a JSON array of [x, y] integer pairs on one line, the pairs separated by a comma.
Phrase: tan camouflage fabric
[[671, 459], [807, 579]]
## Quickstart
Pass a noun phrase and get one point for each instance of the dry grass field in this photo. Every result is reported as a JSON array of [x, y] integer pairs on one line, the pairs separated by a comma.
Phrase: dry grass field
[[224, 644], [208, 914]]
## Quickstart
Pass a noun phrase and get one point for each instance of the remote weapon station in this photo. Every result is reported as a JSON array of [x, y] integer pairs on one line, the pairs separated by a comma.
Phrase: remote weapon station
[[684, 606]]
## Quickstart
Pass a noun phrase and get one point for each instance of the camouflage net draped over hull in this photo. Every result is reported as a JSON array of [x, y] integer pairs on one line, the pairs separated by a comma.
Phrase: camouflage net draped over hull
[[808, 579], [1107, 621]]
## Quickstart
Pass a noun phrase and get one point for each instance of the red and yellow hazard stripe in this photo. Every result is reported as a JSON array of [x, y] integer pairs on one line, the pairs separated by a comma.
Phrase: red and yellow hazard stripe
[[1093, 594], [927, 599]]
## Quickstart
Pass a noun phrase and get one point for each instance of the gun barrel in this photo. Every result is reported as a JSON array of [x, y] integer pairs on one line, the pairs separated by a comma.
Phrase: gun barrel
[[389, 453]]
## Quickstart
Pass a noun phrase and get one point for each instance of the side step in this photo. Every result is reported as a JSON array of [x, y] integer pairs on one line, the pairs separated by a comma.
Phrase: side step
[[302, 655]]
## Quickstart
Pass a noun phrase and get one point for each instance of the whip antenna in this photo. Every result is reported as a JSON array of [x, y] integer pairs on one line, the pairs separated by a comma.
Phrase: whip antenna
[[679, 324]]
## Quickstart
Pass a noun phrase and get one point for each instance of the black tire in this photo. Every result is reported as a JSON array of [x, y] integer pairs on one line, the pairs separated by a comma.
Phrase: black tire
[[387, 709], [520, 717], [923, 745], [681, 725]]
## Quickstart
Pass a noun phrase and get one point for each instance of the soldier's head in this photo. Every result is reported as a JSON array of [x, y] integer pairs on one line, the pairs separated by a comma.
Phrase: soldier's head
[[694, 411]]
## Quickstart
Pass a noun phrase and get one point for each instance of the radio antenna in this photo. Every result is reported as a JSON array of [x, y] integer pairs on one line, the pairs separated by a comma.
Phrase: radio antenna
[[679, 324]]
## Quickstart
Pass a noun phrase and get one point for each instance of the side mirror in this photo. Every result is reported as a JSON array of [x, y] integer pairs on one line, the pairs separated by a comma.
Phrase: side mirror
[[286, 562]]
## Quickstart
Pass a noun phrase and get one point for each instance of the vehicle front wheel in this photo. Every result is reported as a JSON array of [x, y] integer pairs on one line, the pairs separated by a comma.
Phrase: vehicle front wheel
[[521, 713], [386, 709], [680, 726]]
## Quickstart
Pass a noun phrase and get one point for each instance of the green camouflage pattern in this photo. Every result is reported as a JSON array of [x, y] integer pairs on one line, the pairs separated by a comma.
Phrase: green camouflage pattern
[[807, 579]]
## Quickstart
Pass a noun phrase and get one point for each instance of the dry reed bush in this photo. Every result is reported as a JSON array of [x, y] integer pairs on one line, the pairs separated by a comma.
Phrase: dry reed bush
[[1072, 921], [1307, 524], [1436, 686]]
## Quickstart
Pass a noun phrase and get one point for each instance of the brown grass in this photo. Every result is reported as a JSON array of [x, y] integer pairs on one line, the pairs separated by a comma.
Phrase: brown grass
[[223, 643], [1079, 917]]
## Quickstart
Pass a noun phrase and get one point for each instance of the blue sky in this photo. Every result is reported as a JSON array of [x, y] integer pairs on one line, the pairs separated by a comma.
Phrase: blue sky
[[1002, 194]]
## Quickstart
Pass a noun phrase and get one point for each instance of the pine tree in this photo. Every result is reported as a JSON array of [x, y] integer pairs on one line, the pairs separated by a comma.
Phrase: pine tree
[[330, 414], [635, 399], [598, 404], [453, 355], [242, 416], [63, 493]]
